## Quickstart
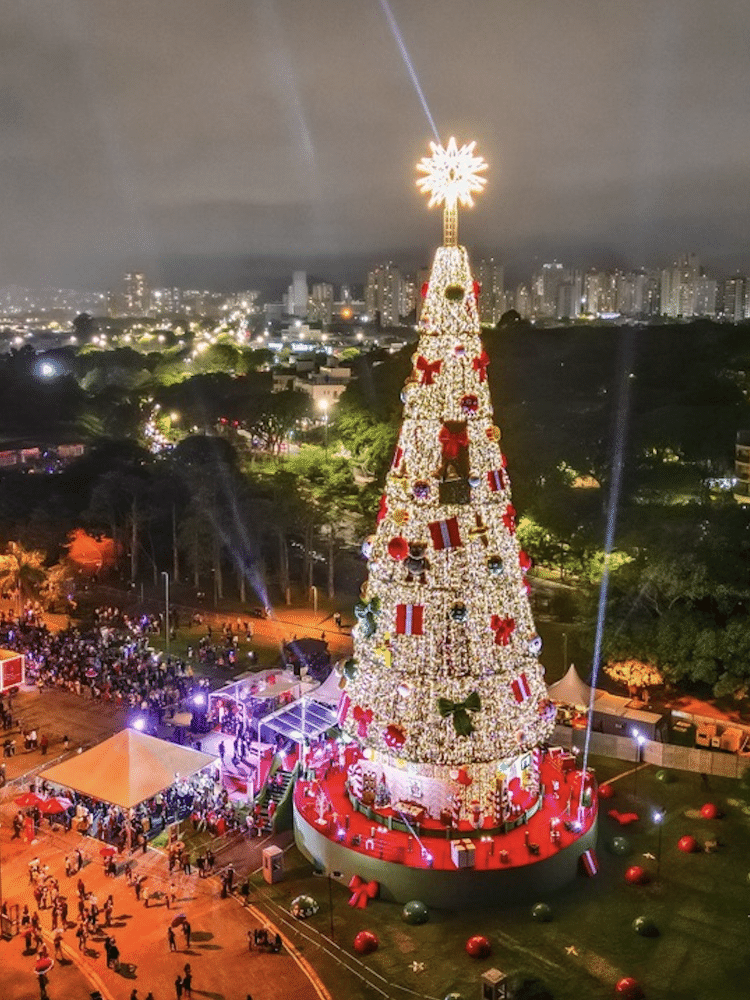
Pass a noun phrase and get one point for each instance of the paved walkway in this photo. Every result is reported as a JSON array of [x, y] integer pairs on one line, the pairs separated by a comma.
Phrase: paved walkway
[[222, 966]]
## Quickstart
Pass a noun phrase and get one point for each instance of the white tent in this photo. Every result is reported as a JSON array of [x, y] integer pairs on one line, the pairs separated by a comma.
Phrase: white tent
[[570, 690], [128, 768]]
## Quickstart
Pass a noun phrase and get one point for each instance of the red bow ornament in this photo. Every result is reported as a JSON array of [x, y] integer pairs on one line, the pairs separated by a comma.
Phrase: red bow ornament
[[503, 629], [453, 442], [480, 365], [428, 369], [363, 718], [362, 892]]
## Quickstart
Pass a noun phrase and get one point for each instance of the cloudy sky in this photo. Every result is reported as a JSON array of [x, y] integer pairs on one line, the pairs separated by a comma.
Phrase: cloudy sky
[[224, 140]]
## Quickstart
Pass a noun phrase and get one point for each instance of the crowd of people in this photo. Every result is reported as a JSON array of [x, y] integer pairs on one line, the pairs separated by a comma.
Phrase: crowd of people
[[113, 659]]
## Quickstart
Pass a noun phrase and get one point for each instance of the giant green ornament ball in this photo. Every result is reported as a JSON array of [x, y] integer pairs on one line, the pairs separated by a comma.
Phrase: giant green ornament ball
[[542, 912], [415, 912]]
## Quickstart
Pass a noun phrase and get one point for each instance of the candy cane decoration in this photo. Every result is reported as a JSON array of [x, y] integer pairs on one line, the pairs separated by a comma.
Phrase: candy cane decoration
[[456, 806], [356, 780]]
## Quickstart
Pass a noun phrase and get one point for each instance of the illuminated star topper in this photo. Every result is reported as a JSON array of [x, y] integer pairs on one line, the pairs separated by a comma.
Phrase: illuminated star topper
[[451, 174]]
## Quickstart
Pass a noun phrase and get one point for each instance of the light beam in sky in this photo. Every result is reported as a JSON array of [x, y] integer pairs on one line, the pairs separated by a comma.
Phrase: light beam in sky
[[408, 63]]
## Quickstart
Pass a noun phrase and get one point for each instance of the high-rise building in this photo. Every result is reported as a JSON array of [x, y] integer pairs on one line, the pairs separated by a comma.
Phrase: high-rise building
[[136, 297], [295, 300], [734, 307], [491, 297], [320, 308], [705, 296], [669, 297], [569, 305], [383, 294], [522, 302]]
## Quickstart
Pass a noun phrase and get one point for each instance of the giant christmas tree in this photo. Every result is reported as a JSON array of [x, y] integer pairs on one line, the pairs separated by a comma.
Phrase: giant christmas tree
[[445, 693]]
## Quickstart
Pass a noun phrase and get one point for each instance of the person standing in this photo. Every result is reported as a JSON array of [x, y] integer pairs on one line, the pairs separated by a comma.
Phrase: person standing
[[187, 983], [171, 895], [187, 931], [172, 940], [178, 986]]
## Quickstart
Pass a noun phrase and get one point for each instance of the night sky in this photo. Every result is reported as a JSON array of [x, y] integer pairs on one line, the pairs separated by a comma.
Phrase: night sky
[[220, 141]]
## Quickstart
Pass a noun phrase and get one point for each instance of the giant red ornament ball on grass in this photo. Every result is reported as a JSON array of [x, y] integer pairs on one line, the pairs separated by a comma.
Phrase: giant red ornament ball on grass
[[635, 875], [629, 989], [688, 845], [365, 943], [606, 791], [478, 946], [710, 811]]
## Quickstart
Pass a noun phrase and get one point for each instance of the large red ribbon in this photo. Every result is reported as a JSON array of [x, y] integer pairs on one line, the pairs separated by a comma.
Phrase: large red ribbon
[[362, 892], [503, 629], [480, 365], [453, 442], [363, 718], [429, 369]]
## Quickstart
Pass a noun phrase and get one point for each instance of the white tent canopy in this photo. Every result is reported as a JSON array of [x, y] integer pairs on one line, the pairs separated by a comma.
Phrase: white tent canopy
[[128, 768], [570, 690]]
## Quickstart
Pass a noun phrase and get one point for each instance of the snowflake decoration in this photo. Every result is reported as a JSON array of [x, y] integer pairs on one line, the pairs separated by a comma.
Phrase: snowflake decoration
[[451, 174]]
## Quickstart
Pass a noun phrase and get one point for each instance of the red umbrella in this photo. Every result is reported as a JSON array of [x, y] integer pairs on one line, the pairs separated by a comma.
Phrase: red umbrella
[[28, 799], [92, 672], [55, 804], [43, 965], [179, 919], [107, 851]]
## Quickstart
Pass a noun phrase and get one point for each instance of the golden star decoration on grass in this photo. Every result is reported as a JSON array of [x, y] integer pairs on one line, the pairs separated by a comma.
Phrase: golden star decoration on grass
[[417, 966], [571, 950], [451, 174]]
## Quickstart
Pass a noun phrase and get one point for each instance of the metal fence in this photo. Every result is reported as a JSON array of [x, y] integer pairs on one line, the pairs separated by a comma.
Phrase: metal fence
[[726, 765]]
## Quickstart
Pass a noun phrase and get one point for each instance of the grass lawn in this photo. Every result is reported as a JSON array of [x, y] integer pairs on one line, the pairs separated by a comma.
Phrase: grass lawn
[[700, 904]]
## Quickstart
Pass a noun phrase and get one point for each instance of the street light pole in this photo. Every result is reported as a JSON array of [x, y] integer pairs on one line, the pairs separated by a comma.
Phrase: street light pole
[[324, 407], [166, 610], [658, 819], [565, 652], [640, 739]]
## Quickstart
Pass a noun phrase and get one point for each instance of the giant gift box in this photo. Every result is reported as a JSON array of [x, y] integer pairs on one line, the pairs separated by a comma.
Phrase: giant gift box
[[463, 853]]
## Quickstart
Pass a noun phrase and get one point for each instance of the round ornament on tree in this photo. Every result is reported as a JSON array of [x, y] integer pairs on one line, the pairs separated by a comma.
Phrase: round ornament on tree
[[415, 912], [495, 566], [398, 548], [478, 946], [421, 490], [365, 943], [620, 846], [535, 645], [459, 613], [394, 737]]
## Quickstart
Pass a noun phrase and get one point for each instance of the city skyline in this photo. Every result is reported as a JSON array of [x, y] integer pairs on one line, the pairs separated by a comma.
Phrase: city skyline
[[224, 150]]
